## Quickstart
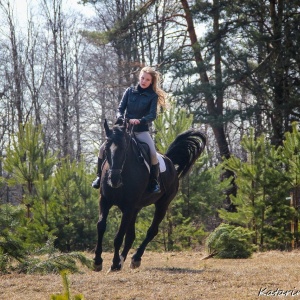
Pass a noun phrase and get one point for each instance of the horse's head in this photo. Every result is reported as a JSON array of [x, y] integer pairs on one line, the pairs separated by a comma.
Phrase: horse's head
[[116, 148]]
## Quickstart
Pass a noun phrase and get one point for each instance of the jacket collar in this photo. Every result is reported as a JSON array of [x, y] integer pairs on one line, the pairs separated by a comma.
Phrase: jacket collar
[[147, 91]]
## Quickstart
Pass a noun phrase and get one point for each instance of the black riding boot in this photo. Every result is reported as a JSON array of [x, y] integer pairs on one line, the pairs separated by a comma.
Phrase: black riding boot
[[154, 182], [96, 182]]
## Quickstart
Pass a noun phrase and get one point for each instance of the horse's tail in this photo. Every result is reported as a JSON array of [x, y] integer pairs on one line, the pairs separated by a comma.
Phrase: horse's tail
[[185, 150]]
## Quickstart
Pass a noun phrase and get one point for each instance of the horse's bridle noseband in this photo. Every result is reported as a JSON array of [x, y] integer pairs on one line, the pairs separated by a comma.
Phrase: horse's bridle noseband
[[115, 171]]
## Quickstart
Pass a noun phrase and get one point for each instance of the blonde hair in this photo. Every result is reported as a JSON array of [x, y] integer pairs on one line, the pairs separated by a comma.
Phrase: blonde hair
[[156, 85]]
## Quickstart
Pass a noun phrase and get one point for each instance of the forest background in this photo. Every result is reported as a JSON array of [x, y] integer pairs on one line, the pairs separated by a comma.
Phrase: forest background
[[230, 70]]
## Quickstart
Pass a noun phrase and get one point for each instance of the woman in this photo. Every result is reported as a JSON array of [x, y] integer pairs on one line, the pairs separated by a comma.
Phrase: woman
[[140, 105]]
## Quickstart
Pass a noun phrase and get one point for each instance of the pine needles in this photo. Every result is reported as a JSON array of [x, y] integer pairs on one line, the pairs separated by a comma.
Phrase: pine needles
[[49, 260]]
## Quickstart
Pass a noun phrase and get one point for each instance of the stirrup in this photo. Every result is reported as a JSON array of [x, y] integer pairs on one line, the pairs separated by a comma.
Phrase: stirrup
[[155, 188], [96, 183]]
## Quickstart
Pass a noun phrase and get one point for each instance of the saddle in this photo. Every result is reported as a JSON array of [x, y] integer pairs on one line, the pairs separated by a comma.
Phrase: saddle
[[142, 152]]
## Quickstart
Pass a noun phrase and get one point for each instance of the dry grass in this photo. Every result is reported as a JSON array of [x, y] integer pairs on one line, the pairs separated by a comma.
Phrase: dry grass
[[181, 275]]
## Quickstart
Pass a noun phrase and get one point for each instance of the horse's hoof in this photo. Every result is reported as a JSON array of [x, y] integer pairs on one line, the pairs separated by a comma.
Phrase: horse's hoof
[[98, 268], [114, 269], [119, 267], [135, 264]]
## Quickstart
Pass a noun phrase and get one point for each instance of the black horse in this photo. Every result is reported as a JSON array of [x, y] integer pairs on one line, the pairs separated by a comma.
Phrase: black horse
[[124, 183]]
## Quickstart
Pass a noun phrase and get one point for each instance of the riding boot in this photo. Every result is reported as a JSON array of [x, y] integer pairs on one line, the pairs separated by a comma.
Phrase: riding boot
[[154, 182], [96, 182]]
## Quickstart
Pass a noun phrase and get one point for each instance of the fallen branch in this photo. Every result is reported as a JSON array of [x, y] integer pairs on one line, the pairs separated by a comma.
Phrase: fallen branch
[[210, 255]]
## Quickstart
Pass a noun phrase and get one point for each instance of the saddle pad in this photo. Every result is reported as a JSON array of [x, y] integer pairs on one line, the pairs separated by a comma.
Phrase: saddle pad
[[161, 161], [162, 164]]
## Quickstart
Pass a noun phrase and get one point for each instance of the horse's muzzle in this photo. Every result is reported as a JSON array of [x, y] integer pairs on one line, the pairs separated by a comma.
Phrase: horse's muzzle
[[115, 178]]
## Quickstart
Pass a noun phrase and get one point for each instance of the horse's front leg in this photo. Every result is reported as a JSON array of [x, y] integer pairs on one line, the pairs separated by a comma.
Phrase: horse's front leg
[[117, 262], [130, 236], [101, 227]]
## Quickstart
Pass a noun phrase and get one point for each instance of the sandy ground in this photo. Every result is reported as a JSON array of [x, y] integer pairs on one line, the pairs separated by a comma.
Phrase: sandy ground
[[176, 275]]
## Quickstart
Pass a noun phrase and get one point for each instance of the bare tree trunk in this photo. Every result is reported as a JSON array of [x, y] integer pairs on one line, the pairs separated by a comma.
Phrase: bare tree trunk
[[77, 107], [35, 59], [214, 108], [279, 112], [17, 67], [61, 77], [52, 16]]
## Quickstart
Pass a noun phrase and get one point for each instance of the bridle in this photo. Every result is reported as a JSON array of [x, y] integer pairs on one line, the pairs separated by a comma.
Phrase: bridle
[[117, 172]]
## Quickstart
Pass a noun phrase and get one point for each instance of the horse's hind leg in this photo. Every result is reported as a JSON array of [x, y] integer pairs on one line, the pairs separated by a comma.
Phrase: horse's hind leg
[[160, 212]]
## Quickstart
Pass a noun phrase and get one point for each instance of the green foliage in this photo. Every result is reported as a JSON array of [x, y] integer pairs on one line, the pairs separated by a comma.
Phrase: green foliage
[[143, 223], [175, 232], [180, 229], [194, 208], [12, 248], [169, 124], [263, 185], [229, 241], [26, 160], [186, 234], [57, 195], [49, 260], [67, 294], [290, 154], [64, 209], [73, 202], [74, 211], [202, 192], [113, 223]]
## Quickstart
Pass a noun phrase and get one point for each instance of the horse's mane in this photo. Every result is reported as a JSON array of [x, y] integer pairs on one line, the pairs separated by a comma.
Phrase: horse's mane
[[185, 150]]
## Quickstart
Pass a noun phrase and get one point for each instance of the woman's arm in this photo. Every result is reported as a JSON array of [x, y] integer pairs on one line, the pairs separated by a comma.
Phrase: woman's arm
[[123, 104], [151, 116]]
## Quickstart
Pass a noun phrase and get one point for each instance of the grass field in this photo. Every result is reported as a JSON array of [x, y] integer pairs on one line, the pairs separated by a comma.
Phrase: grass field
[[176, 275]]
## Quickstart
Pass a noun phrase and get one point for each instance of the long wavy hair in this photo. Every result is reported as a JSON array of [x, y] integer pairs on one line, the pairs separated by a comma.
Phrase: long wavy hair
[[156, 85]]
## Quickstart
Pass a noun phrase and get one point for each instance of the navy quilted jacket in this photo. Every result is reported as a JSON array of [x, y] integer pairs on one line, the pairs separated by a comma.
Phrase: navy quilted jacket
[[138, 103]]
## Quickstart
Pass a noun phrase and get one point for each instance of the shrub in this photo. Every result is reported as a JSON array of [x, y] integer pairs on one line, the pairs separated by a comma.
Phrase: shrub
[[12, 248], [228, 241]]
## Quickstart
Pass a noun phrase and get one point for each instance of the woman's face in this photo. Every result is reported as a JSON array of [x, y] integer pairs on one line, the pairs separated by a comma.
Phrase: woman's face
[[145, 80]]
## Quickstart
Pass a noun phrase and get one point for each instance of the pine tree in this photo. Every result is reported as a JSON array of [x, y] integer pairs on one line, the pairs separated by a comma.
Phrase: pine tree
[[228, 241], [26, 162], [291, 155], [73, 208], [290, 152], [12, 247], [31, 168], [59, 200], [169, 124], [261, 197]]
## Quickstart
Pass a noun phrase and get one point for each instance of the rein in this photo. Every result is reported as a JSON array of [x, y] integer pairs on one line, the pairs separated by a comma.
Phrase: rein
[[131, 136], [119, 171]]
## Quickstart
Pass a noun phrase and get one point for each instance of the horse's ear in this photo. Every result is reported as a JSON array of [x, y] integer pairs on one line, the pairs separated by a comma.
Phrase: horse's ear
[[107, 130]]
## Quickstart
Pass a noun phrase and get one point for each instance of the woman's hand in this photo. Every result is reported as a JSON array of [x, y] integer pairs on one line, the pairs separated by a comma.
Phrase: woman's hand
[[134, 121]]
